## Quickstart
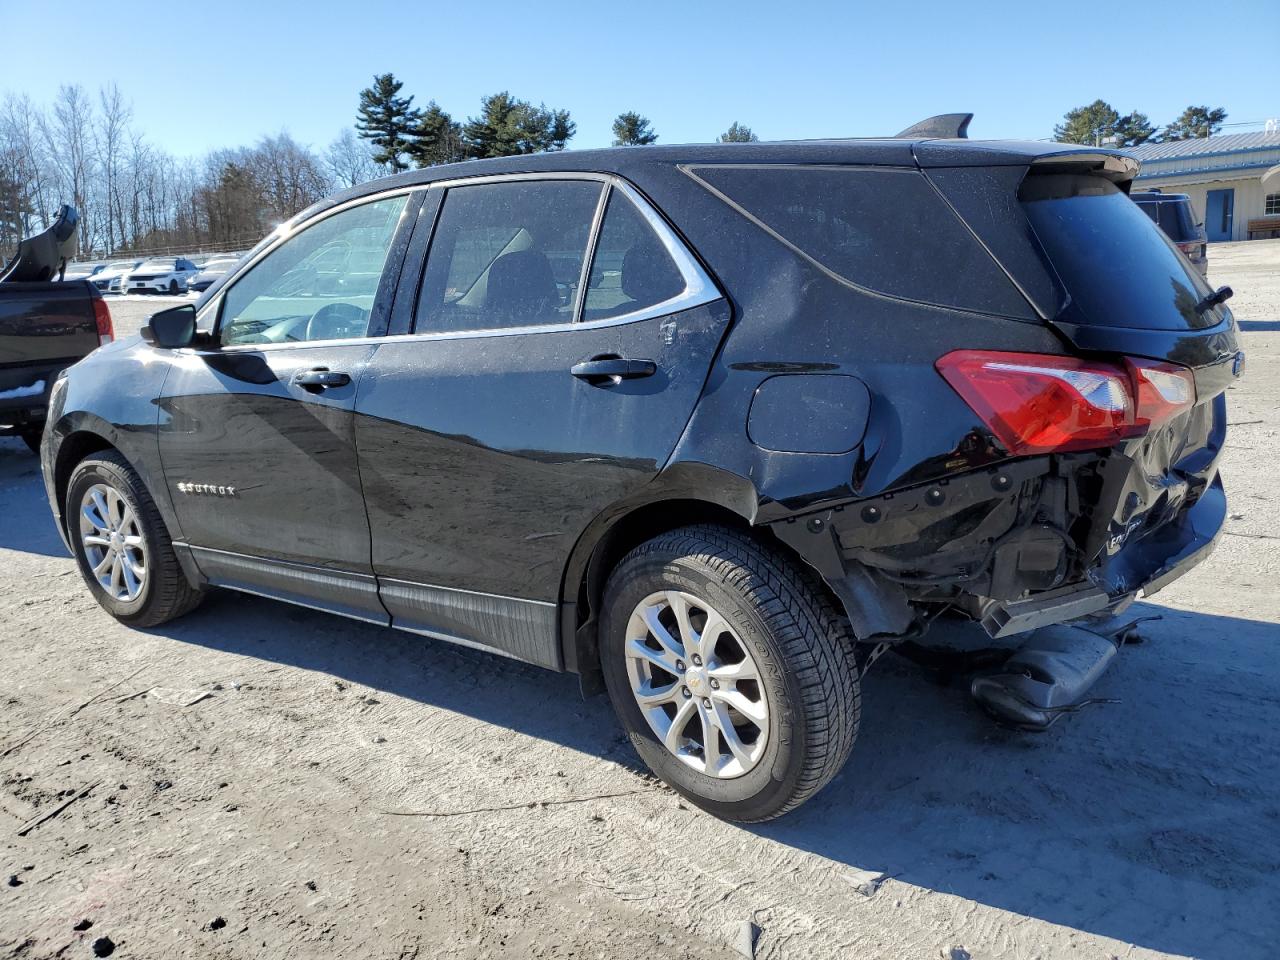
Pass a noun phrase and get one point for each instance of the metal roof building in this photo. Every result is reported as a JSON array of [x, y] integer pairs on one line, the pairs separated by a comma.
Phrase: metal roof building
[[1233, 180]]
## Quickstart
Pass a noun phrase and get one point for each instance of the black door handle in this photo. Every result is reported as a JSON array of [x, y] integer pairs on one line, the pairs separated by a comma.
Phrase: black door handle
[[600, 370], [321, 378]]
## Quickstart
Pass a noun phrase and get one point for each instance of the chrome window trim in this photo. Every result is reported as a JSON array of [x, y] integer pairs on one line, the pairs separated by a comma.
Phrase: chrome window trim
[[700, 289], [593, 239]]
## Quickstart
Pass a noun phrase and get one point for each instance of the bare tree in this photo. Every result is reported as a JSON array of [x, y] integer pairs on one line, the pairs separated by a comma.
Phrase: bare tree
[[289, 176], [350, 161], [23, 148], [68, 136], [112, 143], [134, 197]]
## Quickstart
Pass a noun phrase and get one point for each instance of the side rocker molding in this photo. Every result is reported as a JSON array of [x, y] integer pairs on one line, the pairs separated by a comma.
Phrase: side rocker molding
[[876, 606]]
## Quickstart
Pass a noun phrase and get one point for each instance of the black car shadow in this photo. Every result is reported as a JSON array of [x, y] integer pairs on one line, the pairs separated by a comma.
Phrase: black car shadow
[[26, 523], [1154, 820]]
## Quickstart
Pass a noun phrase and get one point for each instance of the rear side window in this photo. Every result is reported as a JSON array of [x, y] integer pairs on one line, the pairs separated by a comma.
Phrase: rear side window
[[882, 229], [507, 255], [631, 270]]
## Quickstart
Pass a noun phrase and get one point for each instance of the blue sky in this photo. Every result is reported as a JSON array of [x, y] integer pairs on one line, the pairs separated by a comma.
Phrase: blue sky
[[230, 71]]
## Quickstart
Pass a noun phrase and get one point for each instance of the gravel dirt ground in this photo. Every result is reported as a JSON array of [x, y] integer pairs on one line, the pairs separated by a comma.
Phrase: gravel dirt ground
[[346, 791]]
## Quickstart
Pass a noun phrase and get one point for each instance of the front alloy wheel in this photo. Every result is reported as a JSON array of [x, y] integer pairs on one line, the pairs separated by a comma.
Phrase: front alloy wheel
[[122, 546], [113, 544], [696, 684]]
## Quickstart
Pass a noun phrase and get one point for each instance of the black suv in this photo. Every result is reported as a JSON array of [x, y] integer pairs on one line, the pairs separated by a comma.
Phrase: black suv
[[1172, 212], [711, 426]]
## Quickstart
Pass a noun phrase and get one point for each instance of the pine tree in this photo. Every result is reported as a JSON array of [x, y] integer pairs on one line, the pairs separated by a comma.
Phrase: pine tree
[[632, 130], [1132, 129], [1088, 125], [737, 133], [509, 127], [437, 138], [1195, 123], [386, 120]]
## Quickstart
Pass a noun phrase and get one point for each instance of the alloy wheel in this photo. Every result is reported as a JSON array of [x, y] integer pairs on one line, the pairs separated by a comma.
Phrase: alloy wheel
[[111, 537], [696, 684]]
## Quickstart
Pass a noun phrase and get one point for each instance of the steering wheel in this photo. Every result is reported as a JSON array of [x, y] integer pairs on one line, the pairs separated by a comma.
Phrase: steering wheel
[[337, 321]]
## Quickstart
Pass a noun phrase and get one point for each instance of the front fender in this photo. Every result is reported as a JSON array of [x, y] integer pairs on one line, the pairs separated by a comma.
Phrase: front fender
[[112, 403]]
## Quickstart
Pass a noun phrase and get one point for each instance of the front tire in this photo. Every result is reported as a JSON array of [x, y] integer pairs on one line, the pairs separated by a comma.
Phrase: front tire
[[122, 546], [173, 288], [731, 669]]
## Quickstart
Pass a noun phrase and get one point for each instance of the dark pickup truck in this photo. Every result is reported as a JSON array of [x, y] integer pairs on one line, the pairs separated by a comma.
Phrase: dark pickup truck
[[46, 324]]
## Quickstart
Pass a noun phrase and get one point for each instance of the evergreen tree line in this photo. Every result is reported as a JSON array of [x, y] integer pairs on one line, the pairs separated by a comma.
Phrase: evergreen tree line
[[404, 136], [1100, 124]]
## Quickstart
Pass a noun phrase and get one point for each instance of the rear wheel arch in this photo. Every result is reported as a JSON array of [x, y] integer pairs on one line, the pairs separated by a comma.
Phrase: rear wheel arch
[[584, 588]]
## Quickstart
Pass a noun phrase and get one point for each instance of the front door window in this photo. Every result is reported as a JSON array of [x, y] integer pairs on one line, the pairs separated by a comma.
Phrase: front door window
[[317, 285]]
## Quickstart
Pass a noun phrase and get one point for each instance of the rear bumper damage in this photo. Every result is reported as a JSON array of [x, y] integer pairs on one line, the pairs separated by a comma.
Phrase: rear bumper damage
[[1017, 547]]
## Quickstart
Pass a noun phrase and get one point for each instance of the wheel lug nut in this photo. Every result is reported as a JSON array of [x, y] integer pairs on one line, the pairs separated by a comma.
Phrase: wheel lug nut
[[680, 665], [686, 692], [706, 702], [697, 660], [715, 684]]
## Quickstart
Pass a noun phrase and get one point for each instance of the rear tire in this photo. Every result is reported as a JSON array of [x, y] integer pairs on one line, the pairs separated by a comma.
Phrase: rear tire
[[753, 614], [113, 525]]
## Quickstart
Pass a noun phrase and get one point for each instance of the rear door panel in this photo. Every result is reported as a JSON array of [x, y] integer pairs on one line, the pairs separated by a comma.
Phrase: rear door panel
[[483, 458]]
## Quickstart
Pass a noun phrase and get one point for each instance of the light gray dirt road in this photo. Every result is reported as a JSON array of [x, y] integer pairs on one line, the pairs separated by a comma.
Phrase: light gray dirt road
[[263, 820]]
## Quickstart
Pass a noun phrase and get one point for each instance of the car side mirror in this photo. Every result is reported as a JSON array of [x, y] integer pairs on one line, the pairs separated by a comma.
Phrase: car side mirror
[[172, 329]]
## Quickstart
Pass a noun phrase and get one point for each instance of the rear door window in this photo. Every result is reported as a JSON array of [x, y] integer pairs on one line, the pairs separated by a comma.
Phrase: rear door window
[[879, 228], [507, 255], [631, 270]]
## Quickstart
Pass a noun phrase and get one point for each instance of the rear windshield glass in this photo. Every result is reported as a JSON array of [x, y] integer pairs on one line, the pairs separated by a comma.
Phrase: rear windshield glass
[[882, 229], [1118, 267]]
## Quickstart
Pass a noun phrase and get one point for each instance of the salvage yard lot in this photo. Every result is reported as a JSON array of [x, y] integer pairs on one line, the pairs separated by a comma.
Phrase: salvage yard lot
[[346, 791]]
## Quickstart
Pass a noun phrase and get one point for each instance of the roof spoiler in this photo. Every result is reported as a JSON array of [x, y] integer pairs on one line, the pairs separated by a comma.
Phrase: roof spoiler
[[945, 126]]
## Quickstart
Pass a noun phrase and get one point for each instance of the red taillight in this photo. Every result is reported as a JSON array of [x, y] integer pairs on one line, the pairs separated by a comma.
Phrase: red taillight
[[1042, 404], [1164, 390], [102, 317]]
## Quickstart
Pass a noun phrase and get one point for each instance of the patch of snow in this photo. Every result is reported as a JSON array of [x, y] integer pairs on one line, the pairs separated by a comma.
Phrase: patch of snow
[[17, 393]]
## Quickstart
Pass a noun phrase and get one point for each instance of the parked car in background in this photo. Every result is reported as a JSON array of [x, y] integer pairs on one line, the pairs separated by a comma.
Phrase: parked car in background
[[82, 271], [159, 275], [713, 426], [1173, 213], [210, 272], [107, 280]]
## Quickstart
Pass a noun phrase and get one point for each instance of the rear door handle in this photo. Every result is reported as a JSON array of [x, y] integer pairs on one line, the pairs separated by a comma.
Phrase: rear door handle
[[600, 370], [321, 378]]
